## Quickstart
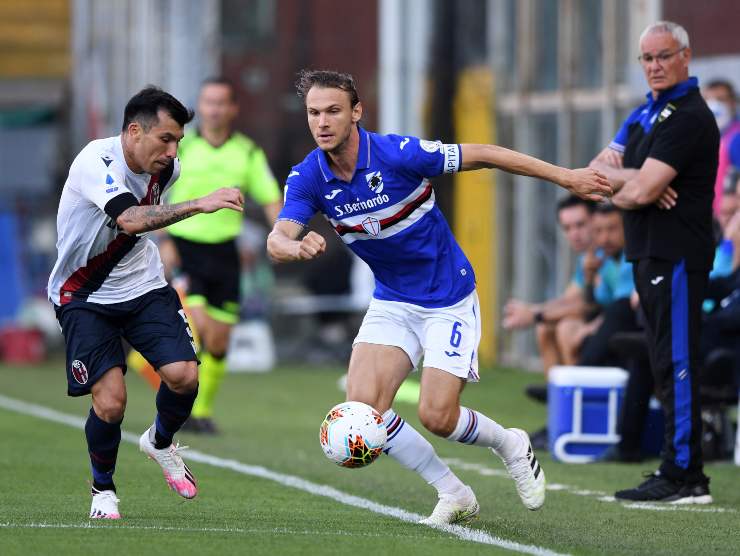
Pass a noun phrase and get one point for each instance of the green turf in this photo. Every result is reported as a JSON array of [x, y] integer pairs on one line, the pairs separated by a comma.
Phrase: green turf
[[272, 420]]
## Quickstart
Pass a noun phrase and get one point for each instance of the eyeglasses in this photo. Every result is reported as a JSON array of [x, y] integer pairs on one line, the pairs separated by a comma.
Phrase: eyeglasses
[[661, 58]]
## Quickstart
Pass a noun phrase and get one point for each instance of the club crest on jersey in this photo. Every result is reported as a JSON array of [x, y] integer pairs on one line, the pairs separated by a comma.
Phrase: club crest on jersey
[[79, 371], [371, 226], [156, 192], [153, 193], [374, 181]]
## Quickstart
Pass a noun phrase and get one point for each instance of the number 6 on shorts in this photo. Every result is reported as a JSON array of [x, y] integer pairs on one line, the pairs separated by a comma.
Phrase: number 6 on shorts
[[456, 336]]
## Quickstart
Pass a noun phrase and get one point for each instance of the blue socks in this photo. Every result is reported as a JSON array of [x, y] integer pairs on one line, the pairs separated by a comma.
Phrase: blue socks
[[103, 440], [173, 409]]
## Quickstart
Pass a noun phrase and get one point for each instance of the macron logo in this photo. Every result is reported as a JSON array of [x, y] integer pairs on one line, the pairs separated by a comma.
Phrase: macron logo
[[334, 193], [657, 280], [403, 143]]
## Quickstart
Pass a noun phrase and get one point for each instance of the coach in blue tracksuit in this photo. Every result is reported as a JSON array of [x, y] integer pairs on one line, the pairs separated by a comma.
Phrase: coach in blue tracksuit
[[663, 161]]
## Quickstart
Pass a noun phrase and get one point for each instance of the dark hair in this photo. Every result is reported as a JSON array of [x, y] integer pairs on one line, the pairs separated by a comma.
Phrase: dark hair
[[220, 80], [575, 201], [605, 208], [326, 79], [715, 83], [144, 106]]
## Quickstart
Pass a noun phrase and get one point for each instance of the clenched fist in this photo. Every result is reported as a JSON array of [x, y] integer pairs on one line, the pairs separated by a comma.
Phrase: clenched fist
[[311, 246]]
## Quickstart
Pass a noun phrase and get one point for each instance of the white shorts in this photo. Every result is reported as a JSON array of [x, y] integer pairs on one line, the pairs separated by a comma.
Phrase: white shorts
[[446, 337]]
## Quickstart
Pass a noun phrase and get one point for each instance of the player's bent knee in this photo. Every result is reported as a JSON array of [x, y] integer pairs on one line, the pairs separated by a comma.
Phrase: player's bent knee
[[181, 377], [441, 422], [110, 406]]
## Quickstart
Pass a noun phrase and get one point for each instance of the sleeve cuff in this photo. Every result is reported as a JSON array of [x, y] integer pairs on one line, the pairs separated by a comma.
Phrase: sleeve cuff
[[119, 203]]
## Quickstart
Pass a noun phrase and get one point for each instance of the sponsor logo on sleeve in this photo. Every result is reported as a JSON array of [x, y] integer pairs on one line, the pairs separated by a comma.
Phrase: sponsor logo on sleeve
[[667, 111], [403, 143], [430, 146], [109, 181]]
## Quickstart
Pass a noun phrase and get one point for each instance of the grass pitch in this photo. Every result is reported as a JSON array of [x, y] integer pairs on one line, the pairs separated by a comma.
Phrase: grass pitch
[[265, 489]]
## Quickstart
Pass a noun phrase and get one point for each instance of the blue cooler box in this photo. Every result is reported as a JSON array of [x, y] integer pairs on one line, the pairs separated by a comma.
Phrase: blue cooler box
[[583, 406]]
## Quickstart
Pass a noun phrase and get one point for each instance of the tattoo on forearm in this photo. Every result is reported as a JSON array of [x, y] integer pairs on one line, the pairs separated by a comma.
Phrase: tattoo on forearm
[[153, 217]]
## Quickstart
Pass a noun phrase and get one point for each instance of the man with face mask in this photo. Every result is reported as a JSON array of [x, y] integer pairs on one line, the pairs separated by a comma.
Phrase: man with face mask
[[720, 97]]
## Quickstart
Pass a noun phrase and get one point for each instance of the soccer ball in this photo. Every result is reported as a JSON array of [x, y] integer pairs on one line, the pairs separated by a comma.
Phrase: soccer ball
[[353, 434]]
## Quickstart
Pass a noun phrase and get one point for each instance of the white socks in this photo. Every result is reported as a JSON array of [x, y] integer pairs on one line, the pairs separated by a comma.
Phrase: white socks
[[475, 428], [414, 452]]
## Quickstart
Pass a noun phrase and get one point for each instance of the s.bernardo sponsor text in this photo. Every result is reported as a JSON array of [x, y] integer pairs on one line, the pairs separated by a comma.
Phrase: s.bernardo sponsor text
[[349, 208]]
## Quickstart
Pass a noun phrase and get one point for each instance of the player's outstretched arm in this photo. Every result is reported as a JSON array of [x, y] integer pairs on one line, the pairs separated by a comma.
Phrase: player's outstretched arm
[[584, 182], [611, 163], [137, 219], [284, 246]]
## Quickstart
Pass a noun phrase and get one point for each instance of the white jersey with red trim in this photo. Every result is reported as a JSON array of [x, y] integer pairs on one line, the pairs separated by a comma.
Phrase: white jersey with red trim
[[388, 216], [96, 260]]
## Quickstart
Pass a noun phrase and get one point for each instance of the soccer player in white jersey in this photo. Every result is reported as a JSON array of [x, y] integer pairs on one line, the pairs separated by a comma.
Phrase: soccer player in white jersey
[[108, 284], [373, 190]]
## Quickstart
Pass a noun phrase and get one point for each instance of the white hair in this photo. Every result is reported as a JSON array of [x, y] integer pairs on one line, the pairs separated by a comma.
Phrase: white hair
[[678, 32]]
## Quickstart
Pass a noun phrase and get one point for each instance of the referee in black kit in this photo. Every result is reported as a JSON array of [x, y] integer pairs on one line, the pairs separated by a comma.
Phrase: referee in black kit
[[663, 163]]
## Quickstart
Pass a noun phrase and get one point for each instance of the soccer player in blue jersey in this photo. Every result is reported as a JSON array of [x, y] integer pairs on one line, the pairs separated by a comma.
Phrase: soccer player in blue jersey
[[373, 190]]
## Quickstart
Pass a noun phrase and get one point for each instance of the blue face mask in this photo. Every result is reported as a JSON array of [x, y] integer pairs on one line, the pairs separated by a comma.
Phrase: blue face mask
[[721, 112]]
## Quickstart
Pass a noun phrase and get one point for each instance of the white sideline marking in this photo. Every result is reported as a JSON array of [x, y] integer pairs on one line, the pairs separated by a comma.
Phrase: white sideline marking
[[464, 533], [675, 508], [102, 524], [598, 495]]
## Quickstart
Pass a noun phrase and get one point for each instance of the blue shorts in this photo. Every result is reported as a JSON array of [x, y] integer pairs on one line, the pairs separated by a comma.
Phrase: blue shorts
[[154, 324]]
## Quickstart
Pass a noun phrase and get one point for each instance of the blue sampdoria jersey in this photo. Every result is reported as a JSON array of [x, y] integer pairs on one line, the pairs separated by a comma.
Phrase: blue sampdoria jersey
[[387, 215]]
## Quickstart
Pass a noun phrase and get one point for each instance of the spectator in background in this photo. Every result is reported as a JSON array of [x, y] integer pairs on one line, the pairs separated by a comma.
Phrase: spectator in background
[[666, 166], [602, 296], [611, 292], [722, 325], [722, 265], [721, 99], [574, 217]]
